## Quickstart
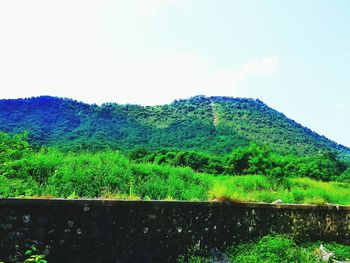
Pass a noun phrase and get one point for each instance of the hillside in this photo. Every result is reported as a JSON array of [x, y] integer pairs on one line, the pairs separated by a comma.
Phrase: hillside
[[209, 124]]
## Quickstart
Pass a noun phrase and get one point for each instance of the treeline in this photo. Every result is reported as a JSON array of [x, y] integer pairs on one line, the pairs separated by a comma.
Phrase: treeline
[[254, 159], [48, 172]]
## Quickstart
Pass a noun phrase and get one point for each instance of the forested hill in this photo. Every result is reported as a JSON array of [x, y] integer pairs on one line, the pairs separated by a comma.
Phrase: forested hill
[[209, 124]]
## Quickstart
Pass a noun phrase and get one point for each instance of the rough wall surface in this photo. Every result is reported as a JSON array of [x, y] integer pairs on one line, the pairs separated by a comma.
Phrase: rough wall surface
[[153, 231]]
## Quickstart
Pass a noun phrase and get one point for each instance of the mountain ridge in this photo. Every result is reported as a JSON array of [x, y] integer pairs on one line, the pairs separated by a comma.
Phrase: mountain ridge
[[214, 124]]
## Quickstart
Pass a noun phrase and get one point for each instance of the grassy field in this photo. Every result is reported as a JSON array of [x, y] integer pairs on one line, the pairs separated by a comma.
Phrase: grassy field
[[290, 190], [109, 174]]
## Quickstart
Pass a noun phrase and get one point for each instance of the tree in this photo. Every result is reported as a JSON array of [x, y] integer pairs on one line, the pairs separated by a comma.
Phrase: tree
[[249, 160], [13, 147]]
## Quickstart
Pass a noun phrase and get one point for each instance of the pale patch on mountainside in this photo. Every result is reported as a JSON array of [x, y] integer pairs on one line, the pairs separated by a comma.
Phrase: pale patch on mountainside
[[215, 113]]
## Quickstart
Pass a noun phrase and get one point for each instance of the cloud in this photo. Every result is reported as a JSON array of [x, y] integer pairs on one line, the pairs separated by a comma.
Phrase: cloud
[[43, 54]]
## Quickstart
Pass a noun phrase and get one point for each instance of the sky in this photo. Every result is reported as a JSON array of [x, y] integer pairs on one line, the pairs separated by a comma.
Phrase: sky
[[292, 54]]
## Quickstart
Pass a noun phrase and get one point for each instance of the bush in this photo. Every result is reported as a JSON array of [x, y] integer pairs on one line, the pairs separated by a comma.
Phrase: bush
[[271, 249], [13, 147]]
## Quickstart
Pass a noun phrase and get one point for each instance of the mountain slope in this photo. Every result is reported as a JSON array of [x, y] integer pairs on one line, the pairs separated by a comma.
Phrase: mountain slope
[[214, 124]]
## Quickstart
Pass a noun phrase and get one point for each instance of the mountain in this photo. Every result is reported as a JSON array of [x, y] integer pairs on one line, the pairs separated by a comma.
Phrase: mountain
[[209, 124]]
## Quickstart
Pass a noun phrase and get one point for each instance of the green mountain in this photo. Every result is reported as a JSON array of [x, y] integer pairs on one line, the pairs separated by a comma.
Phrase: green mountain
[[208, 124]]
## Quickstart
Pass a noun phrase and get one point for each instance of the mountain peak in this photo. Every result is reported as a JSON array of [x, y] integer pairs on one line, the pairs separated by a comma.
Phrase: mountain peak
[[214, 124]]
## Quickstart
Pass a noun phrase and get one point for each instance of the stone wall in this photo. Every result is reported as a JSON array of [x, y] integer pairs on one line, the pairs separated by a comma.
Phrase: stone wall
[[153, 231]]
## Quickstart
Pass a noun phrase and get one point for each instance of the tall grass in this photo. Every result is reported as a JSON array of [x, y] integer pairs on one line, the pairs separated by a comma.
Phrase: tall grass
[[110, 174], [291, 190], [95, 175]]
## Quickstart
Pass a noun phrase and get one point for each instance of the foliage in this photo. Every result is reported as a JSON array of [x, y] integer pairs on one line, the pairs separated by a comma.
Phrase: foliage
[[12, 147], [344, 177], [182, 125], [253, 159], [86, 174], [91, 174], [198, 161], [255, 188], [324, 166], [270, 249], [260, 124], [33, 256], [52, 173], [250, 160]]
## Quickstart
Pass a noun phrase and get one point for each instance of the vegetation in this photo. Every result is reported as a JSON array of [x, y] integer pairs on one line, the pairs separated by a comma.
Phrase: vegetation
[[272, 249], [33, 256], [29, 172], [252, 159], [201, 148], [182, 125]]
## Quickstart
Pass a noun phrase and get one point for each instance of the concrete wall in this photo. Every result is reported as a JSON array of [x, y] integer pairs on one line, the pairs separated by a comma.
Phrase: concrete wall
[[153, 231]]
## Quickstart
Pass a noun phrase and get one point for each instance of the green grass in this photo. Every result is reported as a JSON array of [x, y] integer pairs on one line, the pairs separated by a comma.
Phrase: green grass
[[109, 174], [271, 249], [54, 174], [255, 188]]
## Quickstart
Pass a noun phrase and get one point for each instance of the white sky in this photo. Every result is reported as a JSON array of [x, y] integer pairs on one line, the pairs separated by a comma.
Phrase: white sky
[[61, 48], [295, 54]]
